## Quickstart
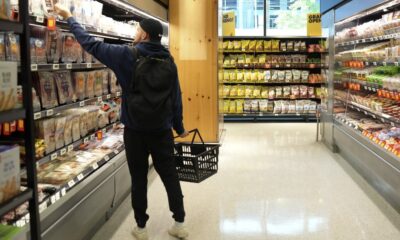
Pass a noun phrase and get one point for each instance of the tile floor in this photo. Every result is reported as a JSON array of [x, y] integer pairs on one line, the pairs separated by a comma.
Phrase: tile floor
[[275, 182]]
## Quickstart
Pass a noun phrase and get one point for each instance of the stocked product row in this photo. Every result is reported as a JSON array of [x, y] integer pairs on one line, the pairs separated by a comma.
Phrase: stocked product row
[[286, 92], [269, 76], [269, 107], [272, 45], [244, 60]]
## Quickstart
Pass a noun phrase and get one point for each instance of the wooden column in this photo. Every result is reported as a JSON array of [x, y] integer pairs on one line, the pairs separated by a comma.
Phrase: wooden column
[[193, 43]]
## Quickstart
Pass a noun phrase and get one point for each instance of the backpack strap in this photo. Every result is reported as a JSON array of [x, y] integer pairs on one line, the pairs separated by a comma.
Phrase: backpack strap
[[135, 52]]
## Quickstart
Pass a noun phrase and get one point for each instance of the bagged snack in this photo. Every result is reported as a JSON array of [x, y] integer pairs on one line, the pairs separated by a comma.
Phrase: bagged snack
[[240, 75], [278, 92], [98, 83], [105, 81], [275, 45], [68, 130], [232, 76], [237, 45], [226, 106], [261, 76], [45, 129], [8, 85], [313, 107], [271, 93], [53, 46], [79, 80], [59, 131], [292, 107], [65, 91], [263, 106], [254, 106], [247, 106], [234, 91], [226, 75], [288, 76], [257, 92], [225, 45], [12, 47], [297, 45], [299, 107], [290, 46], [239, 106], [281, 76], [227, 90], [2, 47], [87, 57], [264, 92], [220, 77], [278, 107], [233, 60], [247, 76], [232, 107], [285, 107], [286, 91], [283, 47], [268, 76], [304, 76], [241, 59], [254, 76], [303, 46], [306, 106], [90, 80], [230, 46], [249, 91], [268, 46], [311, 92], [39, 42], [47, 90], [260, 46], [249, 59], [241, 91], [252, 45], [245, 45], [295, 91], [262, 59], [70, 48], [303, 91], [227, 61], [296, 76]]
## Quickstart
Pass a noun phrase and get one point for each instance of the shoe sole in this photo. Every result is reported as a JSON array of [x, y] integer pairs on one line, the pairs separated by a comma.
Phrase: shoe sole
[[178, 236]]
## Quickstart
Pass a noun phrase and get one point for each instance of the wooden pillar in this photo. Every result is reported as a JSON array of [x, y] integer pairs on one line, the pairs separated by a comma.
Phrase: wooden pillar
[[193, 43]]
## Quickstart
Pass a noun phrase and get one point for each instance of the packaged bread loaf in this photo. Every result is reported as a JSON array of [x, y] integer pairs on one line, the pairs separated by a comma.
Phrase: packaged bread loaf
[[45, 129], [53, 46], [13, 52], [90, 81], [47, 90], [68, 129], [65, 91], [79, 80], [59, 123]]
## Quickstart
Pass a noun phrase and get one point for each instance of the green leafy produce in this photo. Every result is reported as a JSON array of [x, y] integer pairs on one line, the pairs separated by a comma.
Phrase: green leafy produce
[[387, 70]]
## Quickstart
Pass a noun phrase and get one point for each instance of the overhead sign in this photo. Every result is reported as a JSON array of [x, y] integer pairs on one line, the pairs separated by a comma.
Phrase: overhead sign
[[228, 24], [314, 27]]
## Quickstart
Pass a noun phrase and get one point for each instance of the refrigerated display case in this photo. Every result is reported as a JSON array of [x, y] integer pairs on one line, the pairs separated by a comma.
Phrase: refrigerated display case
[[362, 115]]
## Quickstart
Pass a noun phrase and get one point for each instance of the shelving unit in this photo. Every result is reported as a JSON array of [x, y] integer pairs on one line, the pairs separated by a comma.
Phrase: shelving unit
[[272, 65]]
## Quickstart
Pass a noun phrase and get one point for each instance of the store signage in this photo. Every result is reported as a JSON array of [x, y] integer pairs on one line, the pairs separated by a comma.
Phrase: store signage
[[314, 28], [228, 24]]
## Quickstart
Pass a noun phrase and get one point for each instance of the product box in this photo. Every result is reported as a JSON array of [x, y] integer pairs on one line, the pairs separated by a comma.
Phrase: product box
[[8, 85], [47, 89], [12, 47], [45, 129], [65, 91], [9, 172]]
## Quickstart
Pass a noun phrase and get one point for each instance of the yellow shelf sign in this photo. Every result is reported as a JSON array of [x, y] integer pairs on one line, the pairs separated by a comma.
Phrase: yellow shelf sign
[[228, 24], [314, 28]]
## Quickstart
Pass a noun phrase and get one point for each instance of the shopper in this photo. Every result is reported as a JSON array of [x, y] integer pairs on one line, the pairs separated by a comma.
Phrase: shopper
[[142, 138]]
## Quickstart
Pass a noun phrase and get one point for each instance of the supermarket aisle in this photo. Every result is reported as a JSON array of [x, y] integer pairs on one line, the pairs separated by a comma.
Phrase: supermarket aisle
[[274, 182]]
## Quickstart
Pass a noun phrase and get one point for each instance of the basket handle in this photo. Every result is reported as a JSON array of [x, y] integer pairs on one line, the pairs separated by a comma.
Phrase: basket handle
[[196, 132]]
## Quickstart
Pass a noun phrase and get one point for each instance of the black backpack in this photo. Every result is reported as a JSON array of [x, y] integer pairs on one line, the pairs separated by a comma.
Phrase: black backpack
[[150, 97]]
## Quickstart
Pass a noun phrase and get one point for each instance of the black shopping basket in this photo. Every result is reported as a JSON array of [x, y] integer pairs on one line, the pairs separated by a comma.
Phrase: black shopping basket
[[196, 162]]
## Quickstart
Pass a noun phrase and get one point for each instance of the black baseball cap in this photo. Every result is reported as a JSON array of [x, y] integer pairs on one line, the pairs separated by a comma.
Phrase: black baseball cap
[[153, 28]]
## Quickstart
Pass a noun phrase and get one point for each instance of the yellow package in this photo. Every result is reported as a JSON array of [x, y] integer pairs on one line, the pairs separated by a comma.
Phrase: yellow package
[[262, 58], [226, 106], [241, 91], [254, 76], [233, 61], [239, 106], [226, 75], [247, 76], [249, 91], [221, 91], [237, 45], [227, 61], [275, 45], [234, 91], [227, 90], [268, 46], [220, 75], [261, 76], [240, 75], [260, 46], [249, 59], [257, 92], [245, 45], [264, 92], [230, 45], [225, 45], [241, 59], [220, 46], [252, 45], [232, 107], [232, 76]]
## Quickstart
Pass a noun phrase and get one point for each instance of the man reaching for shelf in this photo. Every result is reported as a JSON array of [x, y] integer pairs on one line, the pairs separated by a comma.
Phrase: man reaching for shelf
[[151, 107]]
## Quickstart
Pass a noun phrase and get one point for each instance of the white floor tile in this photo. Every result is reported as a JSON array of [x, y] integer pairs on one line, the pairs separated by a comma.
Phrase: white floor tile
[[275, 182]]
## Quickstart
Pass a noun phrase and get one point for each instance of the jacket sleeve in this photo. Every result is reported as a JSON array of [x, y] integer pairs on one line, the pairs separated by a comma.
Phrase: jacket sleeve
[[178, 109], [111, 55]]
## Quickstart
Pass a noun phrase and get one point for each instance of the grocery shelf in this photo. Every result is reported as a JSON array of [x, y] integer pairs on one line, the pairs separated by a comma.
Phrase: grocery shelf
[[12, 115], [271, 52], [59, 109], [273, 99], [374, 63], [377, 115], [271, 83], [65, 66], [10, 26], [15, 201], [368, 40], [245, 117], [278, 66], [271, 37]]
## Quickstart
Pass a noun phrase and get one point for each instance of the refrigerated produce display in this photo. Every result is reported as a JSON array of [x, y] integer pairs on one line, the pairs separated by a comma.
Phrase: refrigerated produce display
[[366, 93], [271, 78], [61, 145]]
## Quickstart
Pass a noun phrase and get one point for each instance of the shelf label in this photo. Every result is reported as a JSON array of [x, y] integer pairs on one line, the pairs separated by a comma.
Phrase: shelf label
[[108, 96], [53, 199], [375, 63], [114, 125], [56, 66], [116, 152], [34, 67], [89, 65], [70, 148], [53, 156], [371, 39], [58, 196], [396, 64], [107, 158], [40, 19], [92, 137], [80, 177], [363, 40], [50, 112], [384, 64], [63, 192], [392, 123], [71, 183], [104, 131], [85, 140], [42, 207], [365, 112], [374, 116], [99, 99], [383, 120], [82, 104], [69, 66], [95, 166], [37, 116], [63, 151]]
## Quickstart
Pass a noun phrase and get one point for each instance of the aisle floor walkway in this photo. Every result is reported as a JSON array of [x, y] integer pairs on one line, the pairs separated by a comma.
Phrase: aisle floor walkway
[[275, 183]]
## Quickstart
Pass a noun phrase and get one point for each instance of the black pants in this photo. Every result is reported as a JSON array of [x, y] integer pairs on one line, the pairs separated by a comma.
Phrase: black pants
[[160, 146]]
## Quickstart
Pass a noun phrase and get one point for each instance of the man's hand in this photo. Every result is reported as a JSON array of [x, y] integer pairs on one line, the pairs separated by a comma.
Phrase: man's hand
[[62, 11], [185, 134]]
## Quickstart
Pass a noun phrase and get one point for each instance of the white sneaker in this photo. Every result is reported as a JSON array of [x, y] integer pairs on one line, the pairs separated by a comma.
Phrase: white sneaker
[[140, 233], [178, 231]]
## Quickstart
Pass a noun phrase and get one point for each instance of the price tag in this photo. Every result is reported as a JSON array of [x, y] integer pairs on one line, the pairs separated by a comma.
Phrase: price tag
[[114, 125], [58, 196], [49, 112], [89, 65], [363, 40], [70, 148], [107, 158], [371, 39], [63, 192], [82, 104], [374, 89], [63, 151], [34, 67], [116, 151], [85, 140], [396, 64], [365, 112], [277, 66], [358, 109], [95, 166], [392, 123], [37, 116], [104, 131], [80, 177], [71, 183], [374, 116], [366, 63], [375, 63], [53, 199], [42, 207], [352, 42], [53, 156], [384, 64], [386, 147], [40, 19], [383, 120], [108, 96], [56, 66], [357, 41], [99, 99], [356, 127], [92, 137], [69, 66]]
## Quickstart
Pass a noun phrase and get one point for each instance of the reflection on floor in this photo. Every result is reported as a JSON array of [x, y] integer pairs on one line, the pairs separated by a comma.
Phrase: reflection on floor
[[275, 182]]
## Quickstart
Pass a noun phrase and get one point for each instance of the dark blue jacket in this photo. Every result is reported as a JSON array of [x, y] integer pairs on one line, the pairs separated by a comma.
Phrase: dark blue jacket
[[120, 59]]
